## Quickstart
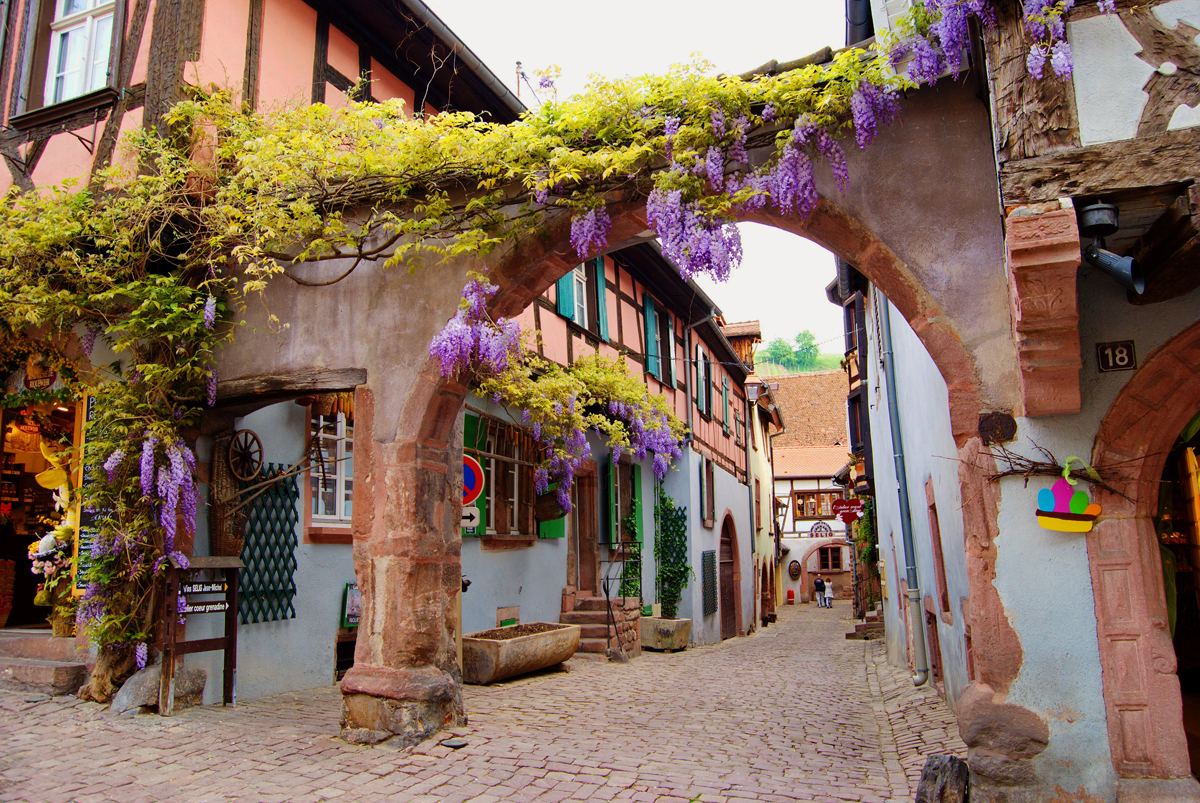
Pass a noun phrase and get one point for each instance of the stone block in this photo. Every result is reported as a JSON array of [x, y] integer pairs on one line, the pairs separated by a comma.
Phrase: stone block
[[142, 689], [1001, 728], [1001, 770], [944, 779]]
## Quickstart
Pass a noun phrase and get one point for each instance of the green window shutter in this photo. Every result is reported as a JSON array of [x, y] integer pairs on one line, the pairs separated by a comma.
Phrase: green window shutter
[[652, 362], [553, 529], [475, 437], [668, 355], [566, 296], [636, 496], [702, 507], [601, 300], [708, 386], [699, 380], [725, 402]]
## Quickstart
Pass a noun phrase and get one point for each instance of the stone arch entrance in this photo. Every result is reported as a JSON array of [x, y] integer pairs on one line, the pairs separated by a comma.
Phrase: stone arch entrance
[[1141, 690], [915, 224]]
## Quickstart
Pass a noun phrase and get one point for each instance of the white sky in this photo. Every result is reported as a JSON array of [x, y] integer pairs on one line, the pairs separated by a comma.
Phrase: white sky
[[782, 279]]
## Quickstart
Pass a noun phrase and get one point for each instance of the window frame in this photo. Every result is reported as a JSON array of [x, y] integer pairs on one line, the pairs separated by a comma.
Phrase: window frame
[[29, 105], [825, 555], [580, 285], [325, 530], [800, 498]]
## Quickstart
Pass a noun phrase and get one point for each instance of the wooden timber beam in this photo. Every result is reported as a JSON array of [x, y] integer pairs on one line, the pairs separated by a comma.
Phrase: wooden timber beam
[[1168, 252], [1170, 158]]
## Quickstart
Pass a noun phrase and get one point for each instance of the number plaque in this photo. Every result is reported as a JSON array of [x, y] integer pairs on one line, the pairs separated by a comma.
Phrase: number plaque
[[1118, 355]]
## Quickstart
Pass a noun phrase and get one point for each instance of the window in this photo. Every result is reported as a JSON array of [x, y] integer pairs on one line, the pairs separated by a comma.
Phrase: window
[[503, 493], [580, 281], [831, 558], [331, 479], [582, 299], [737, 429], [508, 507], [757, 505], [939, 560], [80, 42], [666, 347], [814, 504]]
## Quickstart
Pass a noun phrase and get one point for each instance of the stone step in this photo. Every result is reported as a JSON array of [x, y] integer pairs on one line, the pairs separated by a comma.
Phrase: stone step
[[593, 645], [593, 631], [872, 617], [591, 604], [866, 632], [36, 644], [584, 618], [47, 677]]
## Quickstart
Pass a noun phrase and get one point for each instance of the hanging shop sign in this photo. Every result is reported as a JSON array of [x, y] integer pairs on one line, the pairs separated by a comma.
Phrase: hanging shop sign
[[794, 570], [351, 605], [1064, 506], [848, 510], [472, 479]]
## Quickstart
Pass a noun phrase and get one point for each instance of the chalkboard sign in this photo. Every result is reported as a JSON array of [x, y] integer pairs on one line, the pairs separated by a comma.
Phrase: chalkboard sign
[[89, 520]]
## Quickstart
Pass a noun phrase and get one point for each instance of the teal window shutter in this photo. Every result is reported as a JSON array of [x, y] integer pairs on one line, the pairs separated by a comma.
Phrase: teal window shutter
[[636, 495], [725, 403], [566, 296], [601, 300], [668, 355], [652, 362]]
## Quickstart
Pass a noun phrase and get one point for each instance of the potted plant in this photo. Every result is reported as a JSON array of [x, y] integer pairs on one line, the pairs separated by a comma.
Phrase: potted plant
[[667, 632]]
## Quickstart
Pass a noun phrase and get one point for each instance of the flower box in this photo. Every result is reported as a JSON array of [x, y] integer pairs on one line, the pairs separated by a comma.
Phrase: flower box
[[491, 655], [665, 634]]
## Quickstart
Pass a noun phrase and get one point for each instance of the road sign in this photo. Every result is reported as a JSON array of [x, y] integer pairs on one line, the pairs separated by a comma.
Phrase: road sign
[[206, 607], [470, 517], [472, 479]]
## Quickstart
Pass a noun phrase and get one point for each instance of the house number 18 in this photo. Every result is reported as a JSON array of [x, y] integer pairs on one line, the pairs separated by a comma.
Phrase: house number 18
[[1116, 356]]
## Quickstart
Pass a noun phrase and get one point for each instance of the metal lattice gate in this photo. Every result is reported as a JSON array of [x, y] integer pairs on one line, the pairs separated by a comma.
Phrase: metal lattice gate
[[708, 580], [268, 584]]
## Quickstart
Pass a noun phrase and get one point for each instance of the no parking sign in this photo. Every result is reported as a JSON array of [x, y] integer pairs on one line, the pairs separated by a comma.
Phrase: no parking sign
[[472, 479]]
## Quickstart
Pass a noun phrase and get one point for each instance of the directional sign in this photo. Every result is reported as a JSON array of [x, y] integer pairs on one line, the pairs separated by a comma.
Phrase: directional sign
[[218, 587], [470, 517], [472, 479], [206, 607]]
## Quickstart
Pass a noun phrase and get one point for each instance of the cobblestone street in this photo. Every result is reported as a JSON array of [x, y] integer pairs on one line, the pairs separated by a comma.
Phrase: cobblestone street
[[795, 712]]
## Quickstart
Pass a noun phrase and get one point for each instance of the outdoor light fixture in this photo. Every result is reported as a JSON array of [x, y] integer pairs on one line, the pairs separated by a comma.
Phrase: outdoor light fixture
[[1099, 221]]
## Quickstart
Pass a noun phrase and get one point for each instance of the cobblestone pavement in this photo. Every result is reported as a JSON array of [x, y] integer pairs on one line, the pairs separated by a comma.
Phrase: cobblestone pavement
[[793, 712]]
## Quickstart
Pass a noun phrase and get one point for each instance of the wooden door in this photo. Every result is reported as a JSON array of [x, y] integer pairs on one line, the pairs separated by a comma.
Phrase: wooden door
[[587, 531], [726, 581]]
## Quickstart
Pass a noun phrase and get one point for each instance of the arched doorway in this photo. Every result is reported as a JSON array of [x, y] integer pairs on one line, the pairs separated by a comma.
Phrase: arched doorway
[[727, 579], [1141, 685]]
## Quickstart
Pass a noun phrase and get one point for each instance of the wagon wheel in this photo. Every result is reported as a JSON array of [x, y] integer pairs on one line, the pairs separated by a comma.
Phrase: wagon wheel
[[245, 455]]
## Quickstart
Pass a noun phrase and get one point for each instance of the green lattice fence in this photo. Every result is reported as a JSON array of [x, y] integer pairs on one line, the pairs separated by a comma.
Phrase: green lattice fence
[[267, 585]]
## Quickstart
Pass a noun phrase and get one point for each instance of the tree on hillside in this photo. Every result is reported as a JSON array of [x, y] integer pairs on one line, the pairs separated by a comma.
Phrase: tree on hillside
[[779, 352], [795, 359], [806, 351]]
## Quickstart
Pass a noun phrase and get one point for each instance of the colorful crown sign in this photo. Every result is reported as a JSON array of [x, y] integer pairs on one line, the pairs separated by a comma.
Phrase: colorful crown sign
[[1064, 508]]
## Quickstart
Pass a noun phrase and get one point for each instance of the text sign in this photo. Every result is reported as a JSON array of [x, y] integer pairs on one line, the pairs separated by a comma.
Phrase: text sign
[[470, 517], [206, 607], [219, 587], [848, 510], [1118, 355]]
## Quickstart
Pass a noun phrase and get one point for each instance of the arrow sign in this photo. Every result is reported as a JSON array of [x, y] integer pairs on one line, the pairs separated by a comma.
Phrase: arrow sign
[[470, 517]]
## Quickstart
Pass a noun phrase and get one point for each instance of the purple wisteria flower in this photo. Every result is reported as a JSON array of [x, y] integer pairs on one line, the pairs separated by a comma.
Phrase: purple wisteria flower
[[714, 168], [88, 341], [768, 113], [141, 654], [1060, 59], [670, 130], [717, 116], [589, 231], [113, 463], [470, 338], [210, 312], [1107, 6], [737, 151], [1035, 60], [147, 463], [210, 387]]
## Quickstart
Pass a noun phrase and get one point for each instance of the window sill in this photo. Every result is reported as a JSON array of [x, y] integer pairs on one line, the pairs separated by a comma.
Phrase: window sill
[[328, 535], [492, 541], [59, 112], [709, 523]]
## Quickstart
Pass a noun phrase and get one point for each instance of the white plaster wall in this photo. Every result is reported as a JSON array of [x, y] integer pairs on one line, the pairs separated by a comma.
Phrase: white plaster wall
[[799, 527], [1042, 570], [292, 654], [531, 577], [930, 454], [1109, 76]]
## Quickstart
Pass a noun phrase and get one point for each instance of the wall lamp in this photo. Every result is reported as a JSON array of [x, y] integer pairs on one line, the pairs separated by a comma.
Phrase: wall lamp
[[1099, 221]]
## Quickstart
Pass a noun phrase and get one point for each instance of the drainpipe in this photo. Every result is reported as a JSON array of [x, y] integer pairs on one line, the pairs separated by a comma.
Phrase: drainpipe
[[916, 616], [754, 512]]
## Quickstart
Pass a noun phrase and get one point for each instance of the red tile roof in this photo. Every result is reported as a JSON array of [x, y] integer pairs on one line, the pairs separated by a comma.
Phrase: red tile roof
[[814, 409], [743, 329], [810, 461]]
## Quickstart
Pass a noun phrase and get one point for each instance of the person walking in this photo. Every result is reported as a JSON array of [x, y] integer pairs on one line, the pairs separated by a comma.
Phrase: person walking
[[819, 591], [829, 593]]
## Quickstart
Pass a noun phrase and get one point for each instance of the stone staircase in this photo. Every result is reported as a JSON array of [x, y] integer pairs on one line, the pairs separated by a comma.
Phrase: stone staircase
[[869, 629], [34, 660], [597, 638]]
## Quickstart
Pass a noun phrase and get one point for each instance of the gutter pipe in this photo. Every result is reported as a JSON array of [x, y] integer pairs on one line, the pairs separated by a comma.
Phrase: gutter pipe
[[916, 616]]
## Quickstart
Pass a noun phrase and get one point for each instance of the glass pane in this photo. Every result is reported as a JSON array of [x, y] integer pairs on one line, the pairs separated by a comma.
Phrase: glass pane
[[70, 7], [101, 43], [68, 65]]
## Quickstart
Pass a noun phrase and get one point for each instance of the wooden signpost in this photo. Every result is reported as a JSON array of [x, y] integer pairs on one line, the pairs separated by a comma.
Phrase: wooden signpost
[[181, 586]]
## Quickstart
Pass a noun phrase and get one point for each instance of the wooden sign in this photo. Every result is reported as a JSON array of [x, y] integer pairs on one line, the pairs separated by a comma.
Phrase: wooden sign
[[1119, 355], [547, 508], [219, 587], [206, 607]]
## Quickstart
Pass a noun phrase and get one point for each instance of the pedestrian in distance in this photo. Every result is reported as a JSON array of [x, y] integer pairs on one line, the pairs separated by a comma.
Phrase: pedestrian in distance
[[819, 591], [829, 593]]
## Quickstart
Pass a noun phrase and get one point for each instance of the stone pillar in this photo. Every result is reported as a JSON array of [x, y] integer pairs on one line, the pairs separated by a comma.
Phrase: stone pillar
[[405, 682], [1043, 258]]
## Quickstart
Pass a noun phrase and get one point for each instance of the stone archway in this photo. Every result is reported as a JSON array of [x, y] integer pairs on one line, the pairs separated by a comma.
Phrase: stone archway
[[1141, 690], [917, 226]]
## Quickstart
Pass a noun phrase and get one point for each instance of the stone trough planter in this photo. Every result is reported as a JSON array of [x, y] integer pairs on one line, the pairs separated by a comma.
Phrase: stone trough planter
[[491, 655], [665, 634]]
